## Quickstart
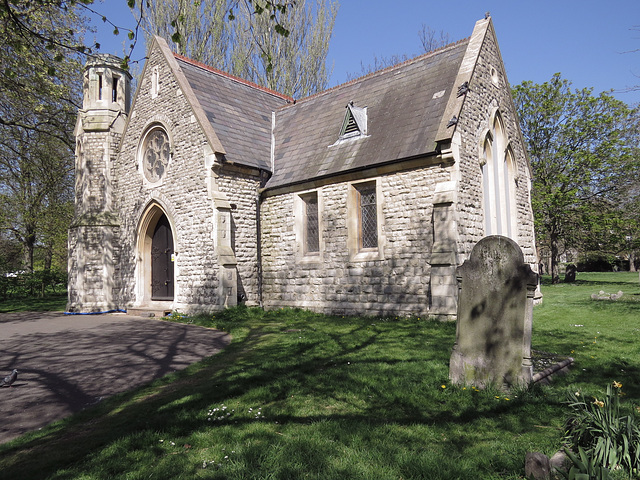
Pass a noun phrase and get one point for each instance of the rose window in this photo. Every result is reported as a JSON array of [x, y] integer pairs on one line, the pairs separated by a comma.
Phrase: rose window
[[156, 155]]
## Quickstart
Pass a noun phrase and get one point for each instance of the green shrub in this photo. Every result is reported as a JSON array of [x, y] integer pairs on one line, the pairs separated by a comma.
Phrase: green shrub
[[599, 262], [606, 437], [30, 284]]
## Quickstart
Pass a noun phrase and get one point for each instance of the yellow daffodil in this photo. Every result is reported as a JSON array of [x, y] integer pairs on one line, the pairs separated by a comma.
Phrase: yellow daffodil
[[599, 403], [617, 384]]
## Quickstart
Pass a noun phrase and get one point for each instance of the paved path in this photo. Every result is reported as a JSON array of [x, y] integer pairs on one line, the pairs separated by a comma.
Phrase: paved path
[[68, 362]]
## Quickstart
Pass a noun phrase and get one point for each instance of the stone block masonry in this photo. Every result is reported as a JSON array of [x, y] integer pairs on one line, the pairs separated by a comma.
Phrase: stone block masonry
[[396, 284], [228, 180]]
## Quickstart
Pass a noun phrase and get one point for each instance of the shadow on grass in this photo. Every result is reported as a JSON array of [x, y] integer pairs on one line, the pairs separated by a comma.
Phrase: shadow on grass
[[356, 378]]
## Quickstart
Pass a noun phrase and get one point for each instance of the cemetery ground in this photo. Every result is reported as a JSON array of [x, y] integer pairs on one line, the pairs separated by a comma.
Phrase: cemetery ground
[[301, 395]]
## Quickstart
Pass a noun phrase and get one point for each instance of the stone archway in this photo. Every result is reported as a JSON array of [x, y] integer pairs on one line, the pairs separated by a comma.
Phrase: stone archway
[[155, 258]]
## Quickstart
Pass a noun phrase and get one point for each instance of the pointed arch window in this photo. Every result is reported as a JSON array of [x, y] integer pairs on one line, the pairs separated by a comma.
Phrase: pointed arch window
[[498, 181]]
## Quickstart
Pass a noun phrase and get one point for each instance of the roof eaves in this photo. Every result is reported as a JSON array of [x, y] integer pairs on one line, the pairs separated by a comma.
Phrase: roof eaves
[[434, 154]]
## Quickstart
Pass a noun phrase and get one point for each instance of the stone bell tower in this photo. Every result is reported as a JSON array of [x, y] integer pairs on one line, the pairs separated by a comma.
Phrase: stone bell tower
[[93, 235]]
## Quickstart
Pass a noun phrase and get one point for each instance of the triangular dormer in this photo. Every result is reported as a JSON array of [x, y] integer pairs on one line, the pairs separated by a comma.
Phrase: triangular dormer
[[355, 122]]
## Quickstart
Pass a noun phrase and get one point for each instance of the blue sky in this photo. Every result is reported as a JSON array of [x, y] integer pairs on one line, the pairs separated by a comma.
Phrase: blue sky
[[585, 40]]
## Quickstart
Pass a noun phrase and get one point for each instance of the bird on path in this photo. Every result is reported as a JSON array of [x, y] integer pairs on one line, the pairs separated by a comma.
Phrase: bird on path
[[9, 379]]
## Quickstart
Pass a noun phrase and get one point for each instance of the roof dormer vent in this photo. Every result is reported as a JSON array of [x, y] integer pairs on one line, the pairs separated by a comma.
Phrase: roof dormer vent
[[355, 122]]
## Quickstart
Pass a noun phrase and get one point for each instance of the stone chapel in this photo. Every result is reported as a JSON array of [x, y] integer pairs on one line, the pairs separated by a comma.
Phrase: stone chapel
[[207, 190]]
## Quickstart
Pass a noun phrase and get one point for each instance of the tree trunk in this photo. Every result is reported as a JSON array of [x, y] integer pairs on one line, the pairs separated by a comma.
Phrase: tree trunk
[[555, 259], [48, 256], [29, 247], [632, 261]]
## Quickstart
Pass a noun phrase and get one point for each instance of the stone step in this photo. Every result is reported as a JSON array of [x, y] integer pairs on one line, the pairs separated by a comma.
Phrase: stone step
[[148, 312]]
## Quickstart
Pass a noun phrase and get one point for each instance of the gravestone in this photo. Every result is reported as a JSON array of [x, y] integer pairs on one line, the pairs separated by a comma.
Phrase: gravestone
[[495, 310], [570, 273]]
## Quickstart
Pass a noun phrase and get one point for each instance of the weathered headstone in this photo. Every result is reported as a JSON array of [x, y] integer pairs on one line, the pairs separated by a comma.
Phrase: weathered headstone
[[570, 273], [495, 309]]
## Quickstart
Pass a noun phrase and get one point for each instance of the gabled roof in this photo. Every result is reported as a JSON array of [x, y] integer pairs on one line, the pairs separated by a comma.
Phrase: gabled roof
[[405, 107], [239, 112], [402, 112]]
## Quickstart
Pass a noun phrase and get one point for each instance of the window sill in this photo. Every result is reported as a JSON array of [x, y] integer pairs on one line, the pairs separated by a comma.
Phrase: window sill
[[366, 255], [310, 258]]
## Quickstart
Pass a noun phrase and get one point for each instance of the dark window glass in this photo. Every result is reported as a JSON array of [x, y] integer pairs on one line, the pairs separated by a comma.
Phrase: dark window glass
[[312, 229], [368, 217]]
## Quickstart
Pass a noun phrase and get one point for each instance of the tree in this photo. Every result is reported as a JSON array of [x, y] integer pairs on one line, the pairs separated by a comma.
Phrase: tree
[[580, 146], [290, 59], [37, 115], [294, 65], [35, 188], [431, 40], [204, 33], [20, 21]]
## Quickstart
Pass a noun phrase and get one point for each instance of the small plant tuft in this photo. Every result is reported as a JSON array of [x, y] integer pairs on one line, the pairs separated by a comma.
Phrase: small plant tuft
[[584, 467]]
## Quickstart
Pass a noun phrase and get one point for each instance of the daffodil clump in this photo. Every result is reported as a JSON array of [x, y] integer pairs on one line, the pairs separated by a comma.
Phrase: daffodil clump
[[599, 427]]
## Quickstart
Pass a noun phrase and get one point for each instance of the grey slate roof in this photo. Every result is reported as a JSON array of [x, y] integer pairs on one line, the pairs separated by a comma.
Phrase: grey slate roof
[[405, 105], [239, 112]]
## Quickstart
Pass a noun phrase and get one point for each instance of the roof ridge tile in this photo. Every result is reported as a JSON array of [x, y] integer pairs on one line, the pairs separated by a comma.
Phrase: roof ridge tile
[[382, 70], [211, 69]]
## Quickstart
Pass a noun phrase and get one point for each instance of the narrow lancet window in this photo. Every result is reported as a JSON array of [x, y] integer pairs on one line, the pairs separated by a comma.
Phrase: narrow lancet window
[[368, 217], [312, 233], [114, 90]]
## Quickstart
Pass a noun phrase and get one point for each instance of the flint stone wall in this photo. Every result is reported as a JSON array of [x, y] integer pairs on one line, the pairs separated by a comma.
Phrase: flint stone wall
[[183, 193], [489, 91]]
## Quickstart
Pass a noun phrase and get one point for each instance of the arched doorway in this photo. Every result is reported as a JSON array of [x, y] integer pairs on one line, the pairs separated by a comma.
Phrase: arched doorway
[[155, 260], [162, 275]]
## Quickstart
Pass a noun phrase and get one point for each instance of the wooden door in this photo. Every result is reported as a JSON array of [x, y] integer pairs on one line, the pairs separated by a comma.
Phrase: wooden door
[[162, 261]]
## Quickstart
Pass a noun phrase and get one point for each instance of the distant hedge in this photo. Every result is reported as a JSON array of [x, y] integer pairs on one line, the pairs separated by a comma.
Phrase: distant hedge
[[38, 283], [601, 262]]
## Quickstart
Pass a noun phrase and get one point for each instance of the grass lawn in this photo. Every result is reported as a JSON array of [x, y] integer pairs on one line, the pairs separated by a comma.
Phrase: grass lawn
[[300, 395], [52, 302]]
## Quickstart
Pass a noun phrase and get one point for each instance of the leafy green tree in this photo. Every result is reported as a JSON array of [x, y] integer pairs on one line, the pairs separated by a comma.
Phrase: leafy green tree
[[36, 173], [581, 151], [290, 59], [38, 109]]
